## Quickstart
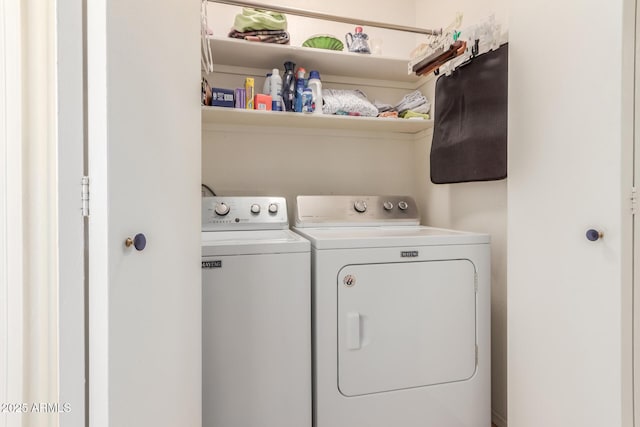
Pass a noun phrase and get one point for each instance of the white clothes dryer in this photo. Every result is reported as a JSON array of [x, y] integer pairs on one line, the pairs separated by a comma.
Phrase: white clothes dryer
[[401, 316], [256, 318]]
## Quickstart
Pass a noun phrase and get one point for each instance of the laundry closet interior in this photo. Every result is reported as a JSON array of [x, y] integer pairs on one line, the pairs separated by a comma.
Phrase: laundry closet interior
[[257, 154]]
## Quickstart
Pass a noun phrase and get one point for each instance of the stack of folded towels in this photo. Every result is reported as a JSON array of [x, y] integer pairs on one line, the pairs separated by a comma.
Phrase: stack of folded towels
[[413, 105], [261, 26]]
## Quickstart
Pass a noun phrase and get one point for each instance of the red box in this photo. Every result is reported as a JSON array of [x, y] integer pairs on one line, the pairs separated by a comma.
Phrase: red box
[[262, 102]]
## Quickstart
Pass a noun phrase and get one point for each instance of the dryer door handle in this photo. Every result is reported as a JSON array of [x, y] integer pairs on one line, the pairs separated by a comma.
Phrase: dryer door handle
[[353, 331]]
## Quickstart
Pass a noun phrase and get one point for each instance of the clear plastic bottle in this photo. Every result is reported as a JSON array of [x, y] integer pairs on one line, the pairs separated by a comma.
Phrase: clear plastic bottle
[[276, 90], [315, 85], [357, 42], [266, 88]]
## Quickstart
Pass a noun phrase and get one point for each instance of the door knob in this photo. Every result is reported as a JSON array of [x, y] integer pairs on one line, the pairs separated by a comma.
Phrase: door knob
[[593, 235], [139, 242]]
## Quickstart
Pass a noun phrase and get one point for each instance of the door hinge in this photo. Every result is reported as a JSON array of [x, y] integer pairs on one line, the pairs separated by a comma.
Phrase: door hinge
[[634, 201], [85, 196]]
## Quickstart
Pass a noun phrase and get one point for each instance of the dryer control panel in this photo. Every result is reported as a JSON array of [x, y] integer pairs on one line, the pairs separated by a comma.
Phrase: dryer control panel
[[244, 213], [332, 211]]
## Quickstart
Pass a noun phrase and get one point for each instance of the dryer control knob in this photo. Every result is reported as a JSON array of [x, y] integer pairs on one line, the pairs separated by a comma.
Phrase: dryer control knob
[[360, 206], [222, 209], [403, 205], [387, 205], [255, 208], [273, 208]]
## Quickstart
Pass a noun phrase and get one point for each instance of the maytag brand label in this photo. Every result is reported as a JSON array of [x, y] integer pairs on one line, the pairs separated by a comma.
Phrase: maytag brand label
[[212, 264], [409, 254]]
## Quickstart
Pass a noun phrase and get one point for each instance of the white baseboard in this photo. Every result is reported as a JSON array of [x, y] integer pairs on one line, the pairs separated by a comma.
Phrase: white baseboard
[[498, 419]]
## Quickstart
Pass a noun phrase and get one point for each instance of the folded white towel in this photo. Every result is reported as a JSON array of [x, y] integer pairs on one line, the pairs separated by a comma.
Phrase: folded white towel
[[412, 101]]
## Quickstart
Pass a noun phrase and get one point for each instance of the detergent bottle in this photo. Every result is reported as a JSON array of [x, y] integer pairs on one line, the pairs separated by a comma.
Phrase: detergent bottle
[[315, 85]]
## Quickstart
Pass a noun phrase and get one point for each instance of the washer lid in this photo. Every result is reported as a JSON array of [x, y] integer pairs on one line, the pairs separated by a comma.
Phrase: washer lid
[[380, 237], [215, 243]]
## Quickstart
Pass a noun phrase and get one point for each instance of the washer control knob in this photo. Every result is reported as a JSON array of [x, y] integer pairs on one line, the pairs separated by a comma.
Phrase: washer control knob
[[360, 206], [255, 208], [222, 209], [273, 208], [403, 205], [387, 205]]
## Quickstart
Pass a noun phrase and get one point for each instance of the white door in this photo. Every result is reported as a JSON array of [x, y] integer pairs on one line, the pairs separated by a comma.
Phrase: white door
[[569, 324], [144, 165]]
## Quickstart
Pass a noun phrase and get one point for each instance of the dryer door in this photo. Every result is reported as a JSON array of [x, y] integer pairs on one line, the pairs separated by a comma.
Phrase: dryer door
[[403, 325]]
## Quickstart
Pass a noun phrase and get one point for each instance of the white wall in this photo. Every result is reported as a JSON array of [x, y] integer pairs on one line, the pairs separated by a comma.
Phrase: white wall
[[568, 172], [432, 13], [292, 162], [11, 218], [39, 198], [396, 44], [29, 211], [479, 206]]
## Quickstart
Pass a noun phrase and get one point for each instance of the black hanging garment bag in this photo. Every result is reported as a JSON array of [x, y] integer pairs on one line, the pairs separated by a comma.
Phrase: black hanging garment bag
[[470, 123]]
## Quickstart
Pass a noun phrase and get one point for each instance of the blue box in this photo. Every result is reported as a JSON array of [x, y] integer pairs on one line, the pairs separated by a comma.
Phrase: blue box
[[222, 97]]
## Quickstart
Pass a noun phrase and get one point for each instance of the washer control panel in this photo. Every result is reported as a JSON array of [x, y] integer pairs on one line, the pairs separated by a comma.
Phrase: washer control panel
[[316, 211], [244, 213]]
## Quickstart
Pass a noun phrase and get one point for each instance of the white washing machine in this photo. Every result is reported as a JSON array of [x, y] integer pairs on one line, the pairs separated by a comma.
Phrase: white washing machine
[[401, 316], [256, 318]]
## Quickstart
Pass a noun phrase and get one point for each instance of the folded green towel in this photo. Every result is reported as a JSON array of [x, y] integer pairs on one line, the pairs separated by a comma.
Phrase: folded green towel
[[409, 114], [259, 19]]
